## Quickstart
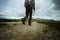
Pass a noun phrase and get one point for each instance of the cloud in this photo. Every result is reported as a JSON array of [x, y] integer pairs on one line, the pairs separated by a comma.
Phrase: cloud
[[14, 9], [3, 2], [57, 4]]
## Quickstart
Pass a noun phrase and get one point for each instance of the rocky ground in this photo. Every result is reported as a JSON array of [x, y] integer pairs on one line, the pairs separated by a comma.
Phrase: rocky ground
[[18, 31]]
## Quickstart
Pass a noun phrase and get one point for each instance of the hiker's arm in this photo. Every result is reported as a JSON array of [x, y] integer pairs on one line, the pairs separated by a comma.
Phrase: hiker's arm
[[33, 5]]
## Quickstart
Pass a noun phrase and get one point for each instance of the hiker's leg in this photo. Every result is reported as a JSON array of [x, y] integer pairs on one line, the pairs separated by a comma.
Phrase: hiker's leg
[[30, 18], [26, 16]]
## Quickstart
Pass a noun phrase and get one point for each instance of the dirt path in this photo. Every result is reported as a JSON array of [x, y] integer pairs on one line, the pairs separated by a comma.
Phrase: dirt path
[[18, 31]]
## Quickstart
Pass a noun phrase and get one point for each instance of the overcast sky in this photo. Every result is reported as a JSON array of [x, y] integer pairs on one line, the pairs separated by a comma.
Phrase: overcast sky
[[57, 4], [47, 9]]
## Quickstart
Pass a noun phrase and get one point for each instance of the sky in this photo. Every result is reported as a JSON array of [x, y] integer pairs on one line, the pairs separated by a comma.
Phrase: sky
[[45, 9], [57, 4]]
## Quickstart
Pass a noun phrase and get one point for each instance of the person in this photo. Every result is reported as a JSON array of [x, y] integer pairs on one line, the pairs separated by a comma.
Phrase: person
[[29, 8]]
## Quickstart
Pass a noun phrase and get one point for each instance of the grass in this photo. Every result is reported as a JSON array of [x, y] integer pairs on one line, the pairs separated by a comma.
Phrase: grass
[[51, 24], [10, 20]]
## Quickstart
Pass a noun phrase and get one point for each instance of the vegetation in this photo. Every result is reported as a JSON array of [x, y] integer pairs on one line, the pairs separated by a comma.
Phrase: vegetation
[[10, 20]]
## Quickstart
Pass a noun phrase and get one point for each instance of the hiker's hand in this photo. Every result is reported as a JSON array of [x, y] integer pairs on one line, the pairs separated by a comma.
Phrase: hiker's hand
[[33, 10]]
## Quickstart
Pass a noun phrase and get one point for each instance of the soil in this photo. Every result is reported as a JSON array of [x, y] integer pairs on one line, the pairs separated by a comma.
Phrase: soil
[[18, 31]]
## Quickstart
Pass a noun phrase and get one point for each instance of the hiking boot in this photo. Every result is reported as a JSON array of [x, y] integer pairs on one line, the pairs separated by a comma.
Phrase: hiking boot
[[23, 22], [29, 24]]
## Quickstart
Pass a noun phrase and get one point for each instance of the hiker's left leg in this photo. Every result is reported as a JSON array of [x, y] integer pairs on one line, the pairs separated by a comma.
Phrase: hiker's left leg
[[26, 16]]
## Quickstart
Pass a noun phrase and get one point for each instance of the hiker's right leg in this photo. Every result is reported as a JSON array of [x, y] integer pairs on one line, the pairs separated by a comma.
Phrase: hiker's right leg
[[30, 18]]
